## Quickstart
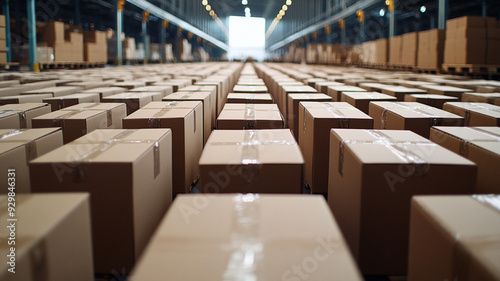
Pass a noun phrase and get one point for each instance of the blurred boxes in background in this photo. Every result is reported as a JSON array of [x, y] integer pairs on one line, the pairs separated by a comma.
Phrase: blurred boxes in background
[[409, 49], [430, 49], [96, 46], [67, 45]]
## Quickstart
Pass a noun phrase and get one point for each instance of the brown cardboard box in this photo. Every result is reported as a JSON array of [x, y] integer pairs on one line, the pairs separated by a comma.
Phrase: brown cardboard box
[[205, 83], [23, 99], [249, 98], [413, 116], [409, 49], [208, 102], [293, 109], [88, 85], [373, 87], [18, 147], [492, 53], [176, 84], [468, 21], [336, 91], [361, 100], [64, 101], [319, 246], [322, 87], [251, 161], [475, 114], [249, 116], [445, 90], [291, 89], [165, 90], [315, 122], [481, 145], [382, 51], [250, 89], [106, 91], [95, 46], [400, 92], [453, 238], [133, 101], [132, 167], [54, 91], [373, 176], [83, 118], [431, 49], [16, 90], [19, 116], [60, 248], [436, 101], [2, 20], [186, 123], [396, 49], [129, 85], [480, 97]]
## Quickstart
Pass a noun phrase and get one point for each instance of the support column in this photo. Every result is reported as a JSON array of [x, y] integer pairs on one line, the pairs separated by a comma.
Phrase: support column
[[484, 9], [392, 19], [119, 30], [144, 40], [442, 13], [6, 12], [32, 36], [163, 26]]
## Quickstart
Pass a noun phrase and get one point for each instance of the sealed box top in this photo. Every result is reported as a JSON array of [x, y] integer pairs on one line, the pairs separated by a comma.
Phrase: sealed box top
[[402, 89], [75, 96], [22, 106], [187, 96], [246, 237], [107, 146], [472, 133], [481, 108], [172, 105], [250, 96], [435, 97], [347, 88], [299, 89], [132, 95], [415, 110], [333, 110], [167, 89], [369, 96], [130, 84], [25, 135], [71, 114], [93, 106], [113, 90], [195, 88], [445, 88], [251, 147], [473, 222], [318, 96], [53, 90], [395, 147]]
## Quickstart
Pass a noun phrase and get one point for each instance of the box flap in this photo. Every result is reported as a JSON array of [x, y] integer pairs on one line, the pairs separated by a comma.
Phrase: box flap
[[481, 108]]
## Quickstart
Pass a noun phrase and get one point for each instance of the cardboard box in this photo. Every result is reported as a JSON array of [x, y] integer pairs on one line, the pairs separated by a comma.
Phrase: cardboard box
[[129, 85], [479, 97], [165, 90], [249, 98], [436, 101], [54, 91], [249, 116], [23, 99], [322, 87], [445, 90], [219, 91], [186, 124], [19, 116], [105, 92], [336, 91], [400, 92], [361, 100], [492, 54], [250, 89], [293, 109], [466, 21], [57, 103], [481, 145], [315, 122], [413, 116], [373, 176], [133, 101], [381, 51], [451, 238], [332, 260], [132, 167], [251, 161], [60, 248], [88, 85], [83, 118], [291, 89], [18, 147], [396, 50], [409, 49], [372, 87], [475, 114], [208, 101], [176, 84]]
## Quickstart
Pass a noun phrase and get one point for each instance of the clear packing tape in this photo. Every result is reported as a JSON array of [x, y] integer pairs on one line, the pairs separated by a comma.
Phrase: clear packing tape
[[464, 147], [478, 107], [23, 124], [103, 146], [433, 119], [250, 115], [398, 148], [59, 121], [155, 121]]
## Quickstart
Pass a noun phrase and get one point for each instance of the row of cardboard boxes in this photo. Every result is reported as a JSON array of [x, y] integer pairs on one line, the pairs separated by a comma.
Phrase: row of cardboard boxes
[[466, 40], [374, 174]]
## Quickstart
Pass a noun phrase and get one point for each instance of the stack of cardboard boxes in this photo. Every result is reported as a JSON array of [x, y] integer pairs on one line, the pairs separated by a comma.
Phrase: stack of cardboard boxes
[[129, 51], [409, 49], [467, 40], [396, 50], [430, 49], [67, 45], [96, 46]]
